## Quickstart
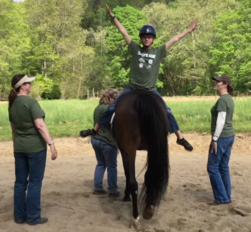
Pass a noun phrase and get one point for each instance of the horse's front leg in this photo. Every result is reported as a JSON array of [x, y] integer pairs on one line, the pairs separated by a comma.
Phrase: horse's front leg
[[127, 190]]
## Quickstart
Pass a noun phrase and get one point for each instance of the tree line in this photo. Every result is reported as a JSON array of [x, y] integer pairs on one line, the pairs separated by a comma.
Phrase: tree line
[[73, 46]]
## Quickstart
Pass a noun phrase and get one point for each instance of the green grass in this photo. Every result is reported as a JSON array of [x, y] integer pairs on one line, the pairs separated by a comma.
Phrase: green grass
[[66, 118], [195, 115], [63, 117]]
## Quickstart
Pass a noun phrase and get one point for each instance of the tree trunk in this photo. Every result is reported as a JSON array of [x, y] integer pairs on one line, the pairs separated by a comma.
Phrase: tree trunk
[[45, 68]]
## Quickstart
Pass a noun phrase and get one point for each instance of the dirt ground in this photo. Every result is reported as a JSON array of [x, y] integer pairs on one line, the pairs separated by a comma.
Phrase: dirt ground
[[68, 202], [200, 141]]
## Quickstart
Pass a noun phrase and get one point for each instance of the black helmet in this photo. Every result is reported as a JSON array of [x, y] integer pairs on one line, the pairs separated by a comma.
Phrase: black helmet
[[147, 29]]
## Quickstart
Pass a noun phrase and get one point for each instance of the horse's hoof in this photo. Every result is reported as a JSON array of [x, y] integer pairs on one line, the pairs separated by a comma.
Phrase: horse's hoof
[[135, 224], [126, 198], [135, 227], [148, 213]]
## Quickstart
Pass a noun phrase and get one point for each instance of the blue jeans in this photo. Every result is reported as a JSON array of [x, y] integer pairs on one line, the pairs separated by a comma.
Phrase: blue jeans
[[106, 156], [32, 165], [218, 170], [107, 115]]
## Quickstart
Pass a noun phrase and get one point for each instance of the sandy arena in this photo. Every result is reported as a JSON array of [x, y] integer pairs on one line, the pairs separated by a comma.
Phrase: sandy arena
[[68, 202]]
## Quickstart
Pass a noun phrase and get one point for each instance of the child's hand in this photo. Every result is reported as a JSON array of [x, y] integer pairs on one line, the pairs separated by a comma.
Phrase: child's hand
[[192, 25], [109, 11]]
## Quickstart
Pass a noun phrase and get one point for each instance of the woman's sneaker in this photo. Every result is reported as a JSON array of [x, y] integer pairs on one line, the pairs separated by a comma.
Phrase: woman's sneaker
[[185, 144], [117, 194], [40, 221], [99, 192]]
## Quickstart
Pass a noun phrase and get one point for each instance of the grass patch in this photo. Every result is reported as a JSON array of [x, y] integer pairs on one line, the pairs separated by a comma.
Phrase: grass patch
[[65, 118]]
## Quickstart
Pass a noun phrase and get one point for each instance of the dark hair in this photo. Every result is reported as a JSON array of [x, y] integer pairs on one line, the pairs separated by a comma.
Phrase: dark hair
[[230, 89], [110, 93], [13, 92], [104, 98]]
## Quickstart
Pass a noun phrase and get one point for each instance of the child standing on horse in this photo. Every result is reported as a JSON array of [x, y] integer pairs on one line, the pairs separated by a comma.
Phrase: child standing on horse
[[144, 73]]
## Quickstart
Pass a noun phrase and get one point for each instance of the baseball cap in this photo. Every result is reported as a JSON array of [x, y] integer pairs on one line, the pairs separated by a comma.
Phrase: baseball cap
[[225, 79]]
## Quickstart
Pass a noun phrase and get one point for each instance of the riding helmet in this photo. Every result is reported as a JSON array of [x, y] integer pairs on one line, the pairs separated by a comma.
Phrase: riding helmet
[[147, 29]]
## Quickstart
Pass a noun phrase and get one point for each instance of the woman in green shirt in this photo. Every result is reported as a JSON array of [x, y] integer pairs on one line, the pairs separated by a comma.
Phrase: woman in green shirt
[[222, 142], [105, 148], [30, 138]]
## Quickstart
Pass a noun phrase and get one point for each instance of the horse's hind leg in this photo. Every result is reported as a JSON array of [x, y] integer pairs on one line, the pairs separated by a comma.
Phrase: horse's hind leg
[[133, 188], [148, 212], [149, 208], [126, 170]]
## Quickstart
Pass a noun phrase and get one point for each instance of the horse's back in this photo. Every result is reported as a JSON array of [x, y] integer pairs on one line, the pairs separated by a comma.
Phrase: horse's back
[[135, 113], [133, 94], [128, 103]]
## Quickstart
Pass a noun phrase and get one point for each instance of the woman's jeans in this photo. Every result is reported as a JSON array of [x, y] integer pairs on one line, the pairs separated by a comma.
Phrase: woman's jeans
[[107, 115], [29, 170], [106, 156], [218, 170]]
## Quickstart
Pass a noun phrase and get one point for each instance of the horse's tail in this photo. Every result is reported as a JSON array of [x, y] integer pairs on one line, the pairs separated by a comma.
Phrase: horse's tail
[[153, 125]]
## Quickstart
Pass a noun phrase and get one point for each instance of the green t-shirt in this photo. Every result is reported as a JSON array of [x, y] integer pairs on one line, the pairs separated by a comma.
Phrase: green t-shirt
[[22, 114], [145, 65], [104, 133], [224, 104]]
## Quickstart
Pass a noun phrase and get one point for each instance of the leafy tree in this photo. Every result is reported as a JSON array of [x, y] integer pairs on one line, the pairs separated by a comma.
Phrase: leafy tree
[[41, 85], [14, 42], [46, 38], [55, 93], [96, 16], [58, 50], [187, 70], [231, 52], [97, 77], [76, 64]]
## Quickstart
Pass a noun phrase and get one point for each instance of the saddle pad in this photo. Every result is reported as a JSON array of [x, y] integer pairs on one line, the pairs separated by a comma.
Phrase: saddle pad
[[112, 118]]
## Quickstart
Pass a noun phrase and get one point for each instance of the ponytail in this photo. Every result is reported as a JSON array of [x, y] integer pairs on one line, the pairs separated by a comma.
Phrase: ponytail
[[12, 97], [13, 93], [230, 89], [104, 99]]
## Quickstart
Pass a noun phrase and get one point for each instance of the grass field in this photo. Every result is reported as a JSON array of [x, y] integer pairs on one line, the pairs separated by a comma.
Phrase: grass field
[[65, 118]]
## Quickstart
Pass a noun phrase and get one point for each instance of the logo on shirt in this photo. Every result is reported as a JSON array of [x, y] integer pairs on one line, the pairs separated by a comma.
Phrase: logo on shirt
[[144, 60]]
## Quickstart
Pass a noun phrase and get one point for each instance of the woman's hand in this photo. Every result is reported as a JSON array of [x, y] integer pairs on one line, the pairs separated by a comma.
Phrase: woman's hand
[[54, 153], [214, 147]]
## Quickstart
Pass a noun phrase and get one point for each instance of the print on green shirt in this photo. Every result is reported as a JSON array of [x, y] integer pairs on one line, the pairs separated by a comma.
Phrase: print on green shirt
[[145, 66]]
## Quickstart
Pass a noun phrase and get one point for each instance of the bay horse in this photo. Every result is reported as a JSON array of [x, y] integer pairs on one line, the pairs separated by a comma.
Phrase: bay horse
[[140, 123]]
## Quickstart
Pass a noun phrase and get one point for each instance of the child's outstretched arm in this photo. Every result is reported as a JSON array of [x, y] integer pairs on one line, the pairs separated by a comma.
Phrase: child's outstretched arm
[[119, 25], [176, 38]]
